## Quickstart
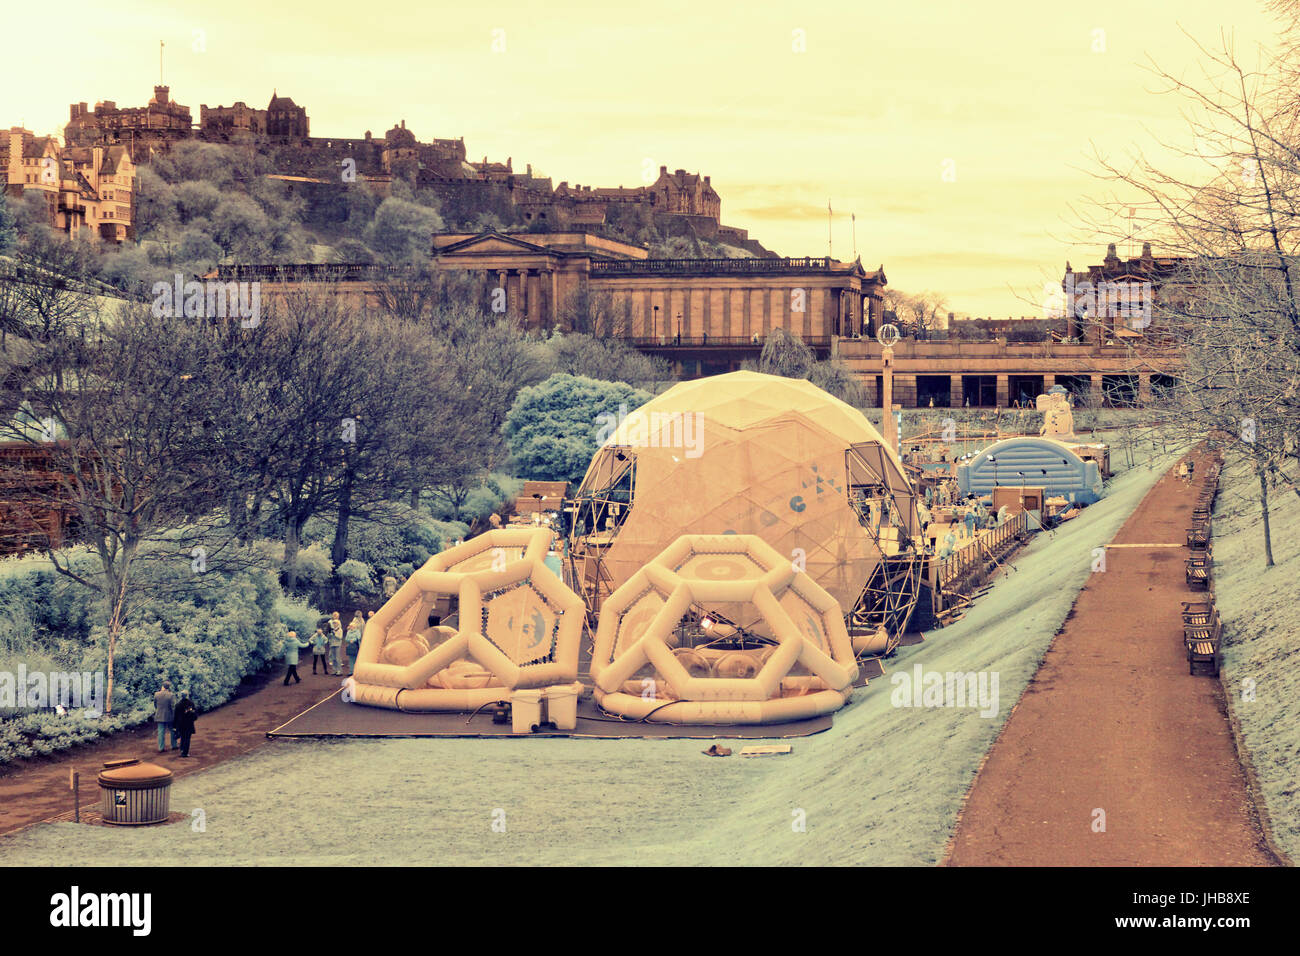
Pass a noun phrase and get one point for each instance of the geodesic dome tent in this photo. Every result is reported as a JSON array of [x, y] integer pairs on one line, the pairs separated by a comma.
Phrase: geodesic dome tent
[[722, 629], [518, 629], [748, 453]]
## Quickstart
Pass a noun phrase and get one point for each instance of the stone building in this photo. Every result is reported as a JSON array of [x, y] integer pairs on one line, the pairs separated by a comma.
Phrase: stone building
[[156, 125], [285, 119], [282, 119], [705, 314], [686, 194], [231, 122], [85, 187], [1120, 298]]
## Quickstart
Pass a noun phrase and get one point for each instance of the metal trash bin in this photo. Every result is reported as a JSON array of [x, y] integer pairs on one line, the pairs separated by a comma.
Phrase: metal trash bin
[[134, 793]]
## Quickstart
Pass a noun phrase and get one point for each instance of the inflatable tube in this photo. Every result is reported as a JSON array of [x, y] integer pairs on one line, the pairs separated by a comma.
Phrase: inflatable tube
[[711, 685], [770, 711]]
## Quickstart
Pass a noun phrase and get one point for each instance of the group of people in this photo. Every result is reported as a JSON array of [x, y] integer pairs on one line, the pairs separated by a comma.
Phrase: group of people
[[174, 717], [333, 646]]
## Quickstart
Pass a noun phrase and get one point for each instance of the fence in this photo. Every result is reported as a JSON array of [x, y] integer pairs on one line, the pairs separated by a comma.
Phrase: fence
[[991, 543]]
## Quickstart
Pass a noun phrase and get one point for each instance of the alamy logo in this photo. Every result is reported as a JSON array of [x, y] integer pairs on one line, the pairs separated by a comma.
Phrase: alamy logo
[[73, 909], [641, 429], [946, 689], [39, 689], [211, 300]]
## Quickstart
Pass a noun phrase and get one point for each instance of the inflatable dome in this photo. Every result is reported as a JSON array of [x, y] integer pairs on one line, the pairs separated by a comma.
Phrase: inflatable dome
[[517, 629], [748, 453], [721, 629]]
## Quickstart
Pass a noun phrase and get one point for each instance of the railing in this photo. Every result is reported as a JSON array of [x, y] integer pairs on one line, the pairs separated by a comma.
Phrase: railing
[[309, 272], [715, 341], [993, 541], [713, 266]]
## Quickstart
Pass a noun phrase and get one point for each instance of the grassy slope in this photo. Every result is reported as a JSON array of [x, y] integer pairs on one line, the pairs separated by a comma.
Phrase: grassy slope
[[882, 787], [1262, 642]]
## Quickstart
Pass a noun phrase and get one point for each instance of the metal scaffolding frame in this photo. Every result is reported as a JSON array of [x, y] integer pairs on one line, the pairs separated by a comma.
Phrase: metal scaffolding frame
[[880, 494]]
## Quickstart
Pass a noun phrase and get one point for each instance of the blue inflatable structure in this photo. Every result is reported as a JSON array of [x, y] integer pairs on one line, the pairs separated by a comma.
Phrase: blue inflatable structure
[[1033, 462]]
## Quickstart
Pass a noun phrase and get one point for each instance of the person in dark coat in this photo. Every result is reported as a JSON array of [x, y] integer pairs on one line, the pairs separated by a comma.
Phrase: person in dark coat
[[184, 722]]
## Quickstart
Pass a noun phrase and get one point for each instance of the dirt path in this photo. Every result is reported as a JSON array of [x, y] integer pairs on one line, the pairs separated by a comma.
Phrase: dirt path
[[1113, 722], [36, 790]]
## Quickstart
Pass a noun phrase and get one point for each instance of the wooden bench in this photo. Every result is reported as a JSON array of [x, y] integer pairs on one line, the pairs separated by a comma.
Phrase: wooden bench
[[1199, 613], [1198, 538], [1198, 571], [1203, 647]]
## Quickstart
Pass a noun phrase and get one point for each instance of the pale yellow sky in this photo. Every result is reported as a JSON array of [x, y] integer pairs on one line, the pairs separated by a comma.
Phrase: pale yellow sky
[[881, 96]]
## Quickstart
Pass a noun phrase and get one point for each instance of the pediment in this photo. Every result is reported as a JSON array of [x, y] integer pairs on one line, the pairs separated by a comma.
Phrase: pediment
[[489, 243]]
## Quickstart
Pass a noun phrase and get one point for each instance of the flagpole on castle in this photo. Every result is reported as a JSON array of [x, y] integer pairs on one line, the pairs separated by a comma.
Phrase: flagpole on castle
[[829, 253], [160, 62]]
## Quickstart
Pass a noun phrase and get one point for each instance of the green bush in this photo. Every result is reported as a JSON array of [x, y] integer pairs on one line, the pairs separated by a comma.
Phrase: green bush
[[297, 615], [204, 633], [554, 428], [405, 536], [314, 566], [357, 577]]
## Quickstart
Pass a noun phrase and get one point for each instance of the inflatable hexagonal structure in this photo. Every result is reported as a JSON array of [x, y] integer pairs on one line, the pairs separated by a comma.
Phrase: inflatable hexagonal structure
[[518, 629], [749, 453], [722, 629]]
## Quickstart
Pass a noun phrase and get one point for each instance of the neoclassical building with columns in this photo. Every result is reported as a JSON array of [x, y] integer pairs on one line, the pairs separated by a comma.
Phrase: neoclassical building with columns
[[706, 314], [656, 300], [709, 315]]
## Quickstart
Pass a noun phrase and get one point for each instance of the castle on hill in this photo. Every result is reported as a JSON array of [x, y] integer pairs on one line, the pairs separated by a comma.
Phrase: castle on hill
[[676, 202]]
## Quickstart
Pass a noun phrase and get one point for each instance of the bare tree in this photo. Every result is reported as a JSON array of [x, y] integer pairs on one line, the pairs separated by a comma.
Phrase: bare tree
[[1229, 309], [125, 447]]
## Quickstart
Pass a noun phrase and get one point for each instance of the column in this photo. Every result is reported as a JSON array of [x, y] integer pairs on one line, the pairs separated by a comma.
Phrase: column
[[955, 396], [1004, 392], [1096, 393], [1144, 388], [551, 292], [513, 298], [905, 390]]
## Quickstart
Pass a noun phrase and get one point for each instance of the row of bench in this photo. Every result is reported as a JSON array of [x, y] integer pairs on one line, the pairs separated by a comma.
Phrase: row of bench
[[1202, 629], [1203, 635]]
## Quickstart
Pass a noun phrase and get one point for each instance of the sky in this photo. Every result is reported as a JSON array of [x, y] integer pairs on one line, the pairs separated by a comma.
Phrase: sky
[[960, 135]]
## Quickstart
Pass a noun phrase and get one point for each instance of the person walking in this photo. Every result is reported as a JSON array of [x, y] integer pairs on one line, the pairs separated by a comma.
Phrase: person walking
[[356, 627], [292, 645], [186, 713], [318, 644], [164, 712], [335, 644]]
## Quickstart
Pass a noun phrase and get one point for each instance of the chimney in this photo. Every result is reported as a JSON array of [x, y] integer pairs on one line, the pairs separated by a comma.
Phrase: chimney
[[663, 170], [706, 180], [1146, 251]]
